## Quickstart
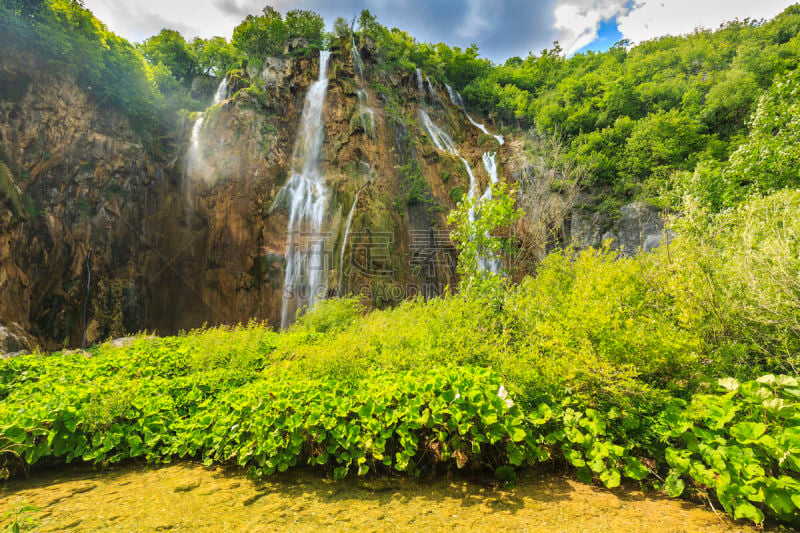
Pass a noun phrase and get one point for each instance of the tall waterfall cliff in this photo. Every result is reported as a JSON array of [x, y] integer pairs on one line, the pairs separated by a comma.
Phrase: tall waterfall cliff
[[171, 244]]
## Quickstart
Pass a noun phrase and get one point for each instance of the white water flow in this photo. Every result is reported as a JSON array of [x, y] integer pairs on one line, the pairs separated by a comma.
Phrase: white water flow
[[195, 161], [431, 90], [440, 138], [445, 143], [492, 264], [455, 98], [473, 190], [490, 164], [357, 58], [304, 280], [420, 86], [365, 113], [339, 287]]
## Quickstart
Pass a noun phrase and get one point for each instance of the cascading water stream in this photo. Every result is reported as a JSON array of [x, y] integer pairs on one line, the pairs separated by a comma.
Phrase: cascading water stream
[[493, 264], [445, 143], [489, 159], [456, 100], [306, 194], [420, 87], [432, 90], [366, 114], [339, 287], [440, 138], [195, 160], [357, 58]]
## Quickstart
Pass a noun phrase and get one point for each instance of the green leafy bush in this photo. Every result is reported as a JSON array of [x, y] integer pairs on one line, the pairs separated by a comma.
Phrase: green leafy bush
[[740, 443]]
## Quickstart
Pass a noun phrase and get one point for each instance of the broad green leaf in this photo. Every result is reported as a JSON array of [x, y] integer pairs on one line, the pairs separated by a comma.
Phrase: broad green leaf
[[610, 477], [674, 485]]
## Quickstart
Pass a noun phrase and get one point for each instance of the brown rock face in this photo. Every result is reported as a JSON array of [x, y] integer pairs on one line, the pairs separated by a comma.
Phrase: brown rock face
[[103, 235]]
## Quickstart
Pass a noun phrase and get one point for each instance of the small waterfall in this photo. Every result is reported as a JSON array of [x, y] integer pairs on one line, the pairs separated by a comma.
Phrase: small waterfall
[[339, 287], [481, 127], [444, 142], [490, 164], [222, 91], [366, 114], [86, 297], [455, 98], [431, 90], [473, 189], [420, 87], [304, 279], [440, 138], [357, 58], [195, 162], [492, 264]]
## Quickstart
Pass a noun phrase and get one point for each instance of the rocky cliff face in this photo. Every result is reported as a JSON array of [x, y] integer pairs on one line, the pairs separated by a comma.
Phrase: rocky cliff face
[[102, 234]]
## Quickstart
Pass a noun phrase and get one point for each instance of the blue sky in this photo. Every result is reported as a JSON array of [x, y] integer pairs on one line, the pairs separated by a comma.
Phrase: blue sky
[[501, 28], [608, 34]]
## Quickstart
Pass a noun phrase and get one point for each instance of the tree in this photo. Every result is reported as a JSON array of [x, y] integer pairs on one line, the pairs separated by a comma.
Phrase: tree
[[305, 24], [215, 55], [341, 28], [172, 50], [660, 143], [769, 159], [261, 36], [25, 8]]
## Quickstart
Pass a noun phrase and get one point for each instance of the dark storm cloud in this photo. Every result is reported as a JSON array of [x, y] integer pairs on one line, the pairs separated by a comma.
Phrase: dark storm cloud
[[501, 28]]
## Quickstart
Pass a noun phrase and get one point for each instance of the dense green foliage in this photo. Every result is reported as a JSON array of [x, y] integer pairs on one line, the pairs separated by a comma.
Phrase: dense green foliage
[[634, 116], [67, 37], [638, 115], [615, 367], [742, 442], [599, 363]]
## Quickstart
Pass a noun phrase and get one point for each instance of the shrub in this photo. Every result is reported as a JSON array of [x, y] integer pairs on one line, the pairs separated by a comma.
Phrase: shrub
[[741, 443]]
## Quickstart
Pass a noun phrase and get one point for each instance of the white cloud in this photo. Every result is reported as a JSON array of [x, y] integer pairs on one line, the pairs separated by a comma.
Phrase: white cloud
[[577, 21], [653, 18], [141, 19]]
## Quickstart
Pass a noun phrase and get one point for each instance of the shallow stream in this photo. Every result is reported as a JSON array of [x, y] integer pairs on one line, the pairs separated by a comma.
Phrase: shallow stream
[[189, 497]]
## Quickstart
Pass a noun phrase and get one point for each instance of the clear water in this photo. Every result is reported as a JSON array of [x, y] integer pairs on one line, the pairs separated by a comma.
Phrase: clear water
[[188, 497]]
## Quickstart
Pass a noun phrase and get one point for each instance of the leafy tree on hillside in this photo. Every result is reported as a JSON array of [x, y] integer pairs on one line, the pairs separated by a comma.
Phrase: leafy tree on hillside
[[171, 49], [305, 24], [261, 36], [215, 56]]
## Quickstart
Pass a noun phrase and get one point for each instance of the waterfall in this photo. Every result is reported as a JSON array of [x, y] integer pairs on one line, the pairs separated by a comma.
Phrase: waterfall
[[366, 115], [344, 240], [431, 90], [473, 190], [440, 138], [455, 98], [420, 87], [481, 127], [86, 297], [222, 91], [195, 162], [490, 164], [444, 142], [304, 279], [357, 58]]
